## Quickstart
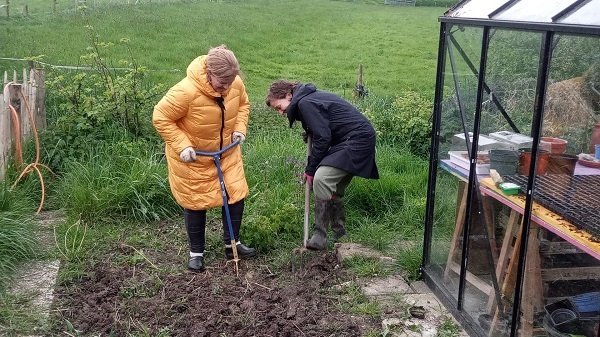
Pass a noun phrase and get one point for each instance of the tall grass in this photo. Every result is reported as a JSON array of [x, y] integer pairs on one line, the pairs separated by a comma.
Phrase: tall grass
[[116, 183], [17, 234]]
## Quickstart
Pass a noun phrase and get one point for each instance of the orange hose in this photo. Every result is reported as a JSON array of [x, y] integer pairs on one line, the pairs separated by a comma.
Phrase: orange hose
[[19, 150]]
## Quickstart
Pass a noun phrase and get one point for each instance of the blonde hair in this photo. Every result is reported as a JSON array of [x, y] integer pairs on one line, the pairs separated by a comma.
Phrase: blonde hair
[[221, 62]]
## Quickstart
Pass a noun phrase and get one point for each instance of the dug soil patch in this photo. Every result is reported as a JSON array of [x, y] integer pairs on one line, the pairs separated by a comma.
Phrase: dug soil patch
[[162, 299]]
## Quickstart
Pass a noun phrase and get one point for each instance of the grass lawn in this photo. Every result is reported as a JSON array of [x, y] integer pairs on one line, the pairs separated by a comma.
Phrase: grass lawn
[[311, 40]]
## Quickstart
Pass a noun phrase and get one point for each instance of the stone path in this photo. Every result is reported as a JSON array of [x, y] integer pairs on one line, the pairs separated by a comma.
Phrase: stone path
[[35, 281], [396, 297]]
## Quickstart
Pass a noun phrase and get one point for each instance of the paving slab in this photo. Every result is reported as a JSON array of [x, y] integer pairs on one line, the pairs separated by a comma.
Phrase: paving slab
[[35, 280], [392, 284], [396, 297]]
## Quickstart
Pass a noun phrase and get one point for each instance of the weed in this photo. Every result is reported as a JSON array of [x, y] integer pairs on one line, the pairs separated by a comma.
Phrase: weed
[[448, 329], [17, 317], [351, 299], [409, 258], [415, 327], [71, 245], [366, 266]]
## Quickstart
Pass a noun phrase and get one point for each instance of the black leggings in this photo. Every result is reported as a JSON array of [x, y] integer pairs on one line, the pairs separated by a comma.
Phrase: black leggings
[[195, 225]]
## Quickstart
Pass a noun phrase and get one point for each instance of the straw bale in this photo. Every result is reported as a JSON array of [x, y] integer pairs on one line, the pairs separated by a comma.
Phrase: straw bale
[[569, 103]]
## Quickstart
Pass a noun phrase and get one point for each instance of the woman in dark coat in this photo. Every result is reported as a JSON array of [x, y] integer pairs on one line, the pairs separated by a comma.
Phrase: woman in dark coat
[[343, 147]]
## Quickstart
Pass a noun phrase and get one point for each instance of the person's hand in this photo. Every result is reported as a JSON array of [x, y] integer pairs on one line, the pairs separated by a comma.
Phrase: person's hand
[[308, 178], [305, 136], [188, 155], [238, 135]]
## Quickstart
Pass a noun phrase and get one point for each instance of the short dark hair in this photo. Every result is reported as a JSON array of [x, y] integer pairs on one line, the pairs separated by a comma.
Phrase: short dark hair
[[279, 89]]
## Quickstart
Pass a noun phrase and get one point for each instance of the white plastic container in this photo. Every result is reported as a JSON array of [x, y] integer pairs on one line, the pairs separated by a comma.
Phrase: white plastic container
[[514, 140], [461, 159], [485, 143]]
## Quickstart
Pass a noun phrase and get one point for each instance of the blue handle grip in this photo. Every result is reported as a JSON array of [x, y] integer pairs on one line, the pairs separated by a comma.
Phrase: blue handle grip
[[212, 154]]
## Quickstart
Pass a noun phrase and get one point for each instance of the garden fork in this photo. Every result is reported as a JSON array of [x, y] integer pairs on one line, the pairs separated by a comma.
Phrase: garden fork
[[217, 157]]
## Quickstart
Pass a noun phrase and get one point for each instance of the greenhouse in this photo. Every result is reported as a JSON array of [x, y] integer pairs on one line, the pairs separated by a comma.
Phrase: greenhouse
[[512, 228]]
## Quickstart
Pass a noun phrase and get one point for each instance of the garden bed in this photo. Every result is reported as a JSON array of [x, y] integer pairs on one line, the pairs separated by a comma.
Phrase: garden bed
[[120, 300]]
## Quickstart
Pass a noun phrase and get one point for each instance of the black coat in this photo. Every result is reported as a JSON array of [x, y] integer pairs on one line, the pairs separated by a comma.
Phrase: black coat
[[342, 136]]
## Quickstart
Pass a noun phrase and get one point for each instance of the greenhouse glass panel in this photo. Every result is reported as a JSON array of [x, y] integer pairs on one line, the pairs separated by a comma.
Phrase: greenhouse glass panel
[[534, 11], [586, 15], [457, 108]]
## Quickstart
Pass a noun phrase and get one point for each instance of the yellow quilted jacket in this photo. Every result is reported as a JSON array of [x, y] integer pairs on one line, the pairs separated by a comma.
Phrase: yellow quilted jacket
[[188, 115]]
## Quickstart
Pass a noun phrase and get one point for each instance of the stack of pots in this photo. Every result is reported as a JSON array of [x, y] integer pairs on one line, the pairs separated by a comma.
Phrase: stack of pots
[[551, 158]]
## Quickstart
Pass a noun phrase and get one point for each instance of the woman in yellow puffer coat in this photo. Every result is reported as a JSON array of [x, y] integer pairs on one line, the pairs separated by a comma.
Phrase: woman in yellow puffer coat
[[207, 110]]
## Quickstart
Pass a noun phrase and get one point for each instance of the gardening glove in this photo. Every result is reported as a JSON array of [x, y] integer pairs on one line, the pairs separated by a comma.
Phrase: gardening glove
[[308, 178], [238, 135], [188, 155]]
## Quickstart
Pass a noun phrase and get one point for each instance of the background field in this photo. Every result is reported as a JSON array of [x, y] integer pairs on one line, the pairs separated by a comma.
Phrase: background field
[[314, 40]]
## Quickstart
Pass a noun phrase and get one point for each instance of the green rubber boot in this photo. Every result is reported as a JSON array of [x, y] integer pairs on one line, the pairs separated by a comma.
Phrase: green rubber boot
[[338, 220], [318, 241]]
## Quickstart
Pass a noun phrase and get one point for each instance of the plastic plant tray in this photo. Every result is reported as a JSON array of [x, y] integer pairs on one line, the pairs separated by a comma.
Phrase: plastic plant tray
[[561, 312], [575, 198], [484, 143], [461, 159], [515, 140], [510, 188]]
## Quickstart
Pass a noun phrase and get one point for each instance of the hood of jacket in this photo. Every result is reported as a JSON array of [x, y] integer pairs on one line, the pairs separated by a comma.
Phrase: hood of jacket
[[189, 115], [197, 74], [301, 91]]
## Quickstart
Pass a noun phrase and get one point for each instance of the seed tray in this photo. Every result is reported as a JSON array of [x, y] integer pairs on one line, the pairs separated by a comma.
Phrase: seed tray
[[575, 198]]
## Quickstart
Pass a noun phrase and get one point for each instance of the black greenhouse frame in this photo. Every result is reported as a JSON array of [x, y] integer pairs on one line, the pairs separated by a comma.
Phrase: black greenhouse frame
[[449, 49]]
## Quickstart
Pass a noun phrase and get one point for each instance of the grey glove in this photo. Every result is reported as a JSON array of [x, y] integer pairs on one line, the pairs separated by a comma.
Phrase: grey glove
[[238, 135], [188, 155]]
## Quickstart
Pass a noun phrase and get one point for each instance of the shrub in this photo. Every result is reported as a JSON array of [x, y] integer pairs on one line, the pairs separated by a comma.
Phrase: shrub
[[102, 104], [263, 231], [405, 120]]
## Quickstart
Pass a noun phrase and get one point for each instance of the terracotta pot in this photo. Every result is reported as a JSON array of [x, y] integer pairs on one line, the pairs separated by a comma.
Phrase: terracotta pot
[[546, 146], [595, 137], [560, 163], [525, 161], [557, 145]]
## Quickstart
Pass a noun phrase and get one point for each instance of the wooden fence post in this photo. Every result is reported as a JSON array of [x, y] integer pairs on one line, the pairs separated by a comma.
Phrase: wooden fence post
[[33, 91], [7, 5], [37, 97], [19, 105], [5, 135]]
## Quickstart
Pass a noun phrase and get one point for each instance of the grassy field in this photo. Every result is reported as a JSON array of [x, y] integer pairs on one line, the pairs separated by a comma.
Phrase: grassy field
[[312, 40]]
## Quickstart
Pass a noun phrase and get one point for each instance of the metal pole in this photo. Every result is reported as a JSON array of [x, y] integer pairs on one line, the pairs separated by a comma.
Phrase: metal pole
[[433, 150], [472, 174], [543, 70]]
